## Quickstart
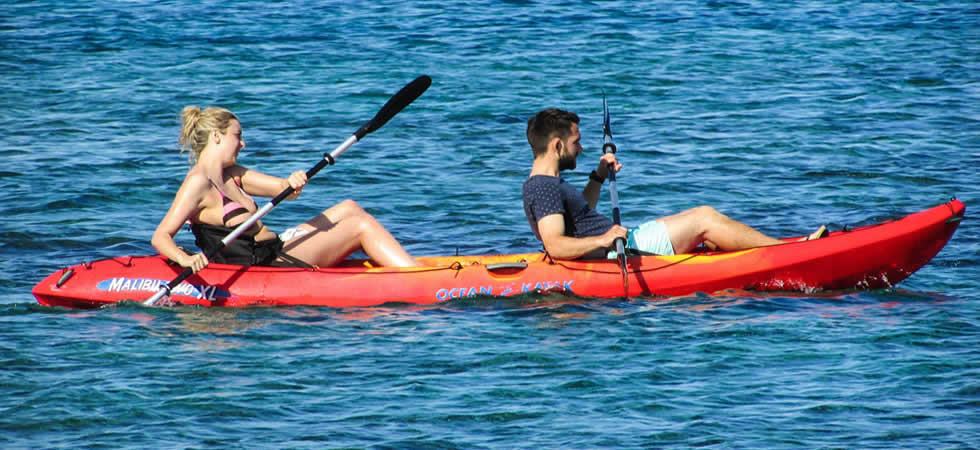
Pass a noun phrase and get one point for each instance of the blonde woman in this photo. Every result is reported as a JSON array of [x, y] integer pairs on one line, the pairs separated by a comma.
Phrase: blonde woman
[[215, 197]]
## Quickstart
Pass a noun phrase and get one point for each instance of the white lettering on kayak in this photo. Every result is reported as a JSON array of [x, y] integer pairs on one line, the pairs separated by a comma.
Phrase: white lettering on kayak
[[547, 286], [207, 292], [503, 290], [446, 294]]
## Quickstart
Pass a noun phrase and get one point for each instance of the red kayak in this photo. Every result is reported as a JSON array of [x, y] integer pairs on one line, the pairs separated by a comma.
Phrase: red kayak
[[869, 257]]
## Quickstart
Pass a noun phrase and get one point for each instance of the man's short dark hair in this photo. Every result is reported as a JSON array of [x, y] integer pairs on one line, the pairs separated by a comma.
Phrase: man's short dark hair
[[546, 125]]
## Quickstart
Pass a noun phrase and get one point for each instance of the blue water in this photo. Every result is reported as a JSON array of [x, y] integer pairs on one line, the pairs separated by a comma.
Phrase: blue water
[[784, 115]]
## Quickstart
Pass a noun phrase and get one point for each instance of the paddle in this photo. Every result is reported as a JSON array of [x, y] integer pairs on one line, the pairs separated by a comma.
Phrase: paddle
[[399, 101], [609, 147]]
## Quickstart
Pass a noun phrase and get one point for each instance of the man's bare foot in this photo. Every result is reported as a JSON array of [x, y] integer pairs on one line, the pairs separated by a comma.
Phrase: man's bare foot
[[821, 232]]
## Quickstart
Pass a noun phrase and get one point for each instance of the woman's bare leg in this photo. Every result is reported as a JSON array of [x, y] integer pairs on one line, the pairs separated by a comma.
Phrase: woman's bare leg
[[342, 230]]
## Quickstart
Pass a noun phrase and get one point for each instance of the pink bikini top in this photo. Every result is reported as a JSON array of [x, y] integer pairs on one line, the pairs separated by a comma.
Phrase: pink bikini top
[[231, 208]]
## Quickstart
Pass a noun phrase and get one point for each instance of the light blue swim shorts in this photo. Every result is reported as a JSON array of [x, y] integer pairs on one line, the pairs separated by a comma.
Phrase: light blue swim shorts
[[650, 237]]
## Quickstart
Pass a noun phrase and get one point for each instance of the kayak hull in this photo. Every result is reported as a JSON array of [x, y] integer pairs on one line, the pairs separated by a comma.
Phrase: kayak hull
[[871, 257]]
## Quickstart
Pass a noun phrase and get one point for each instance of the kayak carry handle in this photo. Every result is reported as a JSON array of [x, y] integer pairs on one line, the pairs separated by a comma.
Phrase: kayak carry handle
[[506, 265], [64, 277]]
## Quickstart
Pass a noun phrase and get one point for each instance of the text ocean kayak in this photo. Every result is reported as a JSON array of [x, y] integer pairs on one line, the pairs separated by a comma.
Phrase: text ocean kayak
[[869, 257]]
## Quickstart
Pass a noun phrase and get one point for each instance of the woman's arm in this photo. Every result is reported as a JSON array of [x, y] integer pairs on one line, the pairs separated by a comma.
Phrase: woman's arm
[[262, 185], [185, 205]]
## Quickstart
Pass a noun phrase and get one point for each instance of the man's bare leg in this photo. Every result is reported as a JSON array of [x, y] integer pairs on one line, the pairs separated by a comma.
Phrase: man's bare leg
[[690, 228]]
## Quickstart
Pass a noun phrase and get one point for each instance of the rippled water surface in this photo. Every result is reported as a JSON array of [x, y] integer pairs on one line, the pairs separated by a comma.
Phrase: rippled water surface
[[783, 116]]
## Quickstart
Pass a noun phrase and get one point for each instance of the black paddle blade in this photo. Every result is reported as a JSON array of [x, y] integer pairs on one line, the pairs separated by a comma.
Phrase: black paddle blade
[[403, 98], [607, 141]]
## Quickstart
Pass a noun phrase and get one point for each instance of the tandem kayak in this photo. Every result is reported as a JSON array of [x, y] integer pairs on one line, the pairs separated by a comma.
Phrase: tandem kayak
[[869, 257]]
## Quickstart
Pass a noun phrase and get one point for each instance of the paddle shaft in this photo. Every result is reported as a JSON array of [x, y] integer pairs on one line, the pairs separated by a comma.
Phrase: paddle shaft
[[399, 101], [613, 197], [609, 147]]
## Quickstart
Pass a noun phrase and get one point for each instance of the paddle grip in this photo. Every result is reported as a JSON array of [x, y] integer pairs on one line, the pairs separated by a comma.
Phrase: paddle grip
[[608, 147]]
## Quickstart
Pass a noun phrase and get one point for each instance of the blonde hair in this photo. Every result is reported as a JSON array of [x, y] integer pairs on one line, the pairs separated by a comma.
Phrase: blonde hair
[[196, 124]]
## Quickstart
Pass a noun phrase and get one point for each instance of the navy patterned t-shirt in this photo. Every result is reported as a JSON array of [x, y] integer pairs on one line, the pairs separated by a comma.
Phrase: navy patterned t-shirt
[[546, 195]]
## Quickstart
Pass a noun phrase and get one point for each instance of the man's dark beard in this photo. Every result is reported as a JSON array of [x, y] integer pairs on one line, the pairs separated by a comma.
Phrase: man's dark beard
[[566, 163]]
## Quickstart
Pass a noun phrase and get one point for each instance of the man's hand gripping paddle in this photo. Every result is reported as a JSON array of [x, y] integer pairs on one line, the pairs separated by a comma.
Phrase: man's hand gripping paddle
[[399, 101]]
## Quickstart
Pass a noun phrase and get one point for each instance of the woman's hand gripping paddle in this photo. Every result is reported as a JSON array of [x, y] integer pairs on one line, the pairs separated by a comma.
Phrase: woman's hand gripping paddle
[[399, 101], [609, 147]]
